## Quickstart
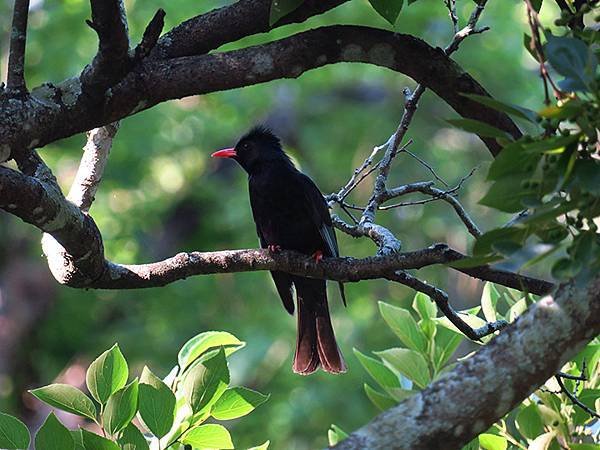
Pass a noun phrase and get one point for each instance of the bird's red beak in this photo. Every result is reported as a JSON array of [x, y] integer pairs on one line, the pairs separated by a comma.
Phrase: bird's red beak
[[225, 153]]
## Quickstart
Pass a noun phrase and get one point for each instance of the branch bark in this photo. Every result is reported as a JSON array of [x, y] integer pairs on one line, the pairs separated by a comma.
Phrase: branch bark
[[482, 389], [61, 111], [15, 80]]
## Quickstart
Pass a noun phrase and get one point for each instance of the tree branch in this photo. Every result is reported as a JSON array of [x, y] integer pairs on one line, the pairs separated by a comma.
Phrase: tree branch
[[62, 111], [201, 34], [15, 80], [111, 62], [480, 390], [91, 167]]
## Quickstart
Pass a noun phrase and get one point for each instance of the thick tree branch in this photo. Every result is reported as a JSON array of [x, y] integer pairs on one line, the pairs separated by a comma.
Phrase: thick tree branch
[[112, 60], [15, 80], [482, 389], [61, 111], [206, 32]]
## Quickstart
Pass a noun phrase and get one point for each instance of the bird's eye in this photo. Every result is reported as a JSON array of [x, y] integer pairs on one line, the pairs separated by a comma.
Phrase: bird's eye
[[245, 146]]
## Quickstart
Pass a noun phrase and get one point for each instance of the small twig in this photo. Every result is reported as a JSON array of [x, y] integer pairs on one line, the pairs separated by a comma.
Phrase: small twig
[[427, 166], [436, 194], [358, 176], [91, 167], [151, 35], [467, 30], [574, 398], [441, 300], [451, 5], [15, 82]]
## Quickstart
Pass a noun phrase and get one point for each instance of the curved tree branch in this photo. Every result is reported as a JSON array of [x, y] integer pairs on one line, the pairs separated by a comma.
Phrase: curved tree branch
[[482, 389], [76, 239], [60, 111]]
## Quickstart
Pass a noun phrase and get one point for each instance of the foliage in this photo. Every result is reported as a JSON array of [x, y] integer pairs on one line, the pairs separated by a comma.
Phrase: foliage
[[551, 176], [429, 343], [171, 413]]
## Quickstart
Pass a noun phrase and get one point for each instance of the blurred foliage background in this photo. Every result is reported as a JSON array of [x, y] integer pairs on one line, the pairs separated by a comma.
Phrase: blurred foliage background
[[163, 194]]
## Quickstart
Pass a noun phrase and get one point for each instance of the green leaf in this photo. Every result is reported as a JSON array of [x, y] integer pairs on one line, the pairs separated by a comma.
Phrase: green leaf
[[388, 9], [583, 446], [564, 269], [409, 363], [550, 145], [507, 195], [132, 439], [77, 436], [205, 382], [107, 374], [480, 128], [404, 326], [13, 433], [67, 398], [424, 306], [508, 108], [489, 300], [336, 435], [53, 435], [237, 402], [492, 442], [516, 310], [446, 343], [208, 437], [511, 160], [484, 243], [92, 441], [263, 446], [156, 404], [281, 8], [588, 397], [571, 58], [203, 342], [378, 371], [587, 173], [381, 401], [528, 421], [121, 408]]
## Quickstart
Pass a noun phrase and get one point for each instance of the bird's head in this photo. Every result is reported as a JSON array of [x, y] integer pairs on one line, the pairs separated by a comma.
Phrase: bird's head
[[255, 149]]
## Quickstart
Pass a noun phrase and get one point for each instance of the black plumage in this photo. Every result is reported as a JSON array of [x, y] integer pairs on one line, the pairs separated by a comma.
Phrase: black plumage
[[291, 214]]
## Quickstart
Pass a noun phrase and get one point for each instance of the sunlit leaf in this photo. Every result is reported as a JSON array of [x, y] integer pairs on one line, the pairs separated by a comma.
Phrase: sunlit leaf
[[107, 374], [13, 433], [67, 398]]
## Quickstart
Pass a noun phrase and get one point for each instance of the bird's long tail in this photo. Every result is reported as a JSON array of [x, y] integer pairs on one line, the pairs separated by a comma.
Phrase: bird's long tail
[[315, 344]]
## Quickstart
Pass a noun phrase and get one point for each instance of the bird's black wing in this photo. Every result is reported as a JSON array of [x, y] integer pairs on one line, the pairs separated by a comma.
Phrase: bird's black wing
[[318, 211], [283, 281]]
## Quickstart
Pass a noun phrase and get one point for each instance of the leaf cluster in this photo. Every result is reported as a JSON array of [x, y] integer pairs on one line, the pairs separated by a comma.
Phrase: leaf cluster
[[171, 412]]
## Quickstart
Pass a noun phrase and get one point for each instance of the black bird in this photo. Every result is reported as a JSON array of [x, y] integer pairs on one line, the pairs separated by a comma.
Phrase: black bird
[[290, 213]]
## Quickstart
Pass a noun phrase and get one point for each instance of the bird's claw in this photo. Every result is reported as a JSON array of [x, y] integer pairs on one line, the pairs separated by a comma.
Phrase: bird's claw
[[274, 248], [317, 256]]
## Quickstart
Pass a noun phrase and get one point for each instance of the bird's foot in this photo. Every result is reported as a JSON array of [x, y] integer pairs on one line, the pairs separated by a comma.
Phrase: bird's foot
[[274, 248], [317, 256]]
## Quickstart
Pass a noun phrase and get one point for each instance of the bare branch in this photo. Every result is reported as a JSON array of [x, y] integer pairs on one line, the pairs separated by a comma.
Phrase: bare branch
[[451, 5], [91, 167], [15, 80], [441, 300], [573, 397], [480, 390]]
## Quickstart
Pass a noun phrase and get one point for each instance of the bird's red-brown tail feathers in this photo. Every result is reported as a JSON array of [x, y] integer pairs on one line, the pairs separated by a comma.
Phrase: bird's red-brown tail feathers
[[315, 344]]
